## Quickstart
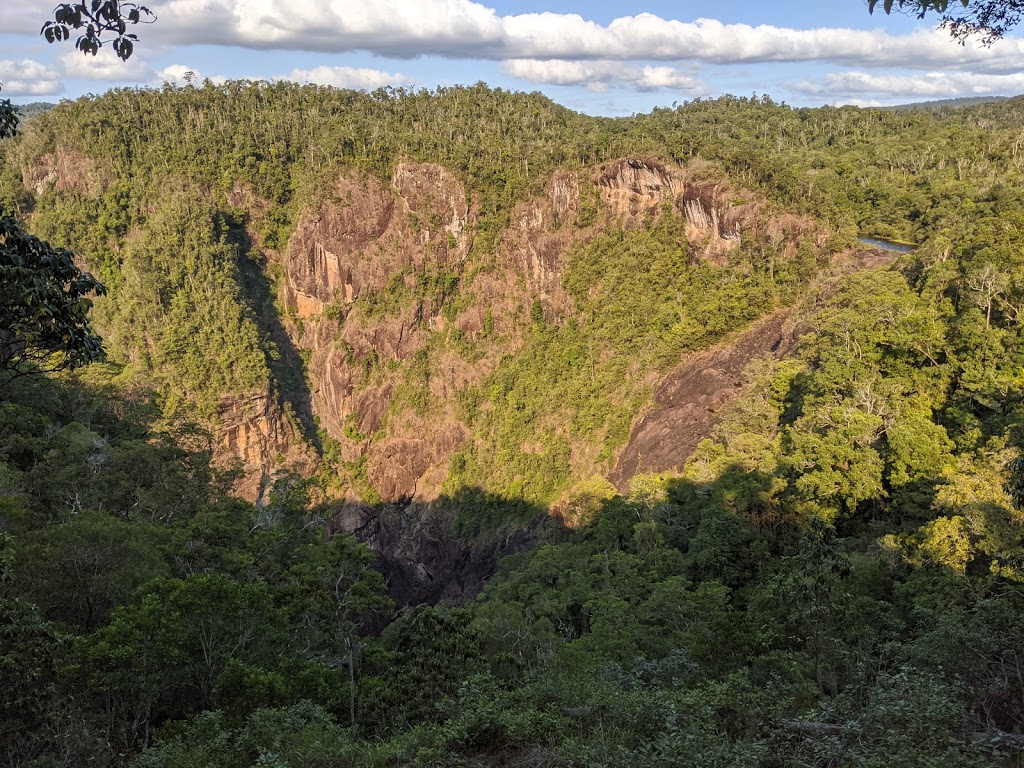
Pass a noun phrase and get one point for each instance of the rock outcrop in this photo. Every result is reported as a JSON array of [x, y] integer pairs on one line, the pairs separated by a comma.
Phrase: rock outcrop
[[638, 189], [542, 230], [687, 404], [396, 465], [375, 238], [690, 399], [421, 560], [367, 231], [254, 436], [354, 273], [66, 171]]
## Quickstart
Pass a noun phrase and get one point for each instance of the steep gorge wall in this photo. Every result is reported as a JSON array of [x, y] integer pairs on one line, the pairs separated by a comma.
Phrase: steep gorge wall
[[356, 310], [350, 287], [254, 436], [636, 190], [371, 238]]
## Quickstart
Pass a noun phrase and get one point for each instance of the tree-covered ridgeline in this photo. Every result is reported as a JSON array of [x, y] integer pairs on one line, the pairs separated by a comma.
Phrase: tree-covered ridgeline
[[887, 172], [146, 181], [833, 580]]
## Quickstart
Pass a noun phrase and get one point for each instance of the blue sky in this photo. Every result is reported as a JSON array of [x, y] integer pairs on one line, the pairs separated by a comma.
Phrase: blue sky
[[597, 57]]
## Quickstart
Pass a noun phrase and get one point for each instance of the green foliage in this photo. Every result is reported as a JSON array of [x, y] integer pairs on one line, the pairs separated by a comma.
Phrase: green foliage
[[835, 579], [302, 734], [44, 305], [641, 305], [97, 21]]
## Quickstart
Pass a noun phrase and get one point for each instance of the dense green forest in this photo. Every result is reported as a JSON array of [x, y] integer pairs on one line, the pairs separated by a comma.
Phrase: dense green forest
[[833, 578]]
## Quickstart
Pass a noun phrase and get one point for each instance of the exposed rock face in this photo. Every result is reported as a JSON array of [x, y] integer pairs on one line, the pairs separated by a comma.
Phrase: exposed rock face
[[254, 433], [367, 237], [329, 258], [638, 189], [368, 231], [66, 171], [421, 560], [542, 231], [635, 188], [396, 465], [689, 400], [437, 202], [381, 238]]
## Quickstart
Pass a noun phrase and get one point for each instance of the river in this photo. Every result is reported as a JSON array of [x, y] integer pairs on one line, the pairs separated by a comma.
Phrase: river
[[886, 245]]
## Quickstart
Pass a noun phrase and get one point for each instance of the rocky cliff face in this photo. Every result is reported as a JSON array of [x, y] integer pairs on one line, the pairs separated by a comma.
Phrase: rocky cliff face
[[254, 436], [542, 231], [420, 559], [65, 171], [367, 231], [371, 238], [690, 399], [635, 190], [687, 404], [357, 310]]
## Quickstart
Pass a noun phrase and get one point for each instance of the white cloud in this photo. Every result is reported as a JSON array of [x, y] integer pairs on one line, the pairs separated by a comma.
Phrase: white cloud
[[181, 74], [466, 29], [105, 65], [931, 85], [398, 28], [598, 76], [28, 78], [347, 77], [643, 52], [654, 78]]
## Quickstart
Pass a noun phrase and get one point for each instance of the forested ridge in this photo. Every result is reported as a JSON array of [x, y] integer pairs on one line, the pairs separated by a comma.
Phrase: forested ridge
[[445, 312]]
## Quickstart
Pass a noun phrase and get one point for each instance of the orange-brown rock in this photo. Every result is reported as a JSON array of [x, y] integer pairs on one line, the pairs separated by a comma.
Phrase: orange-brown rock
[[396, 466], [367, 234], [66, 171], [367, 231], [690, 399], [542, 230], [254, 435], [379, 237]]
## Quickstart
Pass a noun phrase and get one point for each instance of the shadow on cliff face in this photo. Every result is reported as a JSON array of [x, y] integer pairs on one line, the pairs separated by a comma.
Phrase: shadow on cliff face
[[283, 358], [447, 550], [444, 551]]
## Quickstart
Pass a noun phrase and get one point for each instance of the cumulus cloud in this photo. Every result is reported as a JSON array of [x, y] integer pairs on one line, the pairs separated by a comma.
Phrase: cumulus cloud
[[397, 28], [932, 85], [347, 77], [600, 75], [28, 78], [642, 51], [181, 75], [106, 66], [466, 29]]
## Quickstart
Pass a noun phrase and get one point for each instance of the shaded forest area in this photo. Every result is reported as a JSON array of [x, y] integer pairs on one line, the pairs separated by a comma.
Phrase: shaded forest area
[[834, 578]]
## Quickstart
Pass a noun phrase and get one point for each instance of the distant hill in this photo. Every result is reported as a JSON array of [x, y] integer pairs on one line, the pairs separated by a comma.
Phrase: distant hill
[[27, 112], [968, 101]]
